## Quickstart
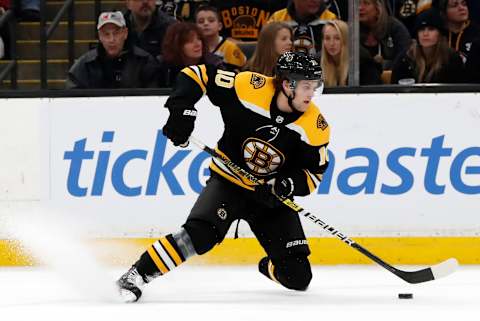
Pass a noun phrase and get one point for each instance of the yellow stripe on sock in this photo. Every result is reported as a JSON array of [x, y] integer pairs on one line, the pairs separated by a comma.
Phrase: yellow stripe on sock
[[156, 259], [170, 250]]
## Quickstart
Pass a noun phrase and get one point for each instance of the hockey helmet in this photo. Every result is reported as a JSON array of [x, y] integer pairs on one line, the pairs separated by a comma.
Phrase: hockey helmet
[[298, 66]]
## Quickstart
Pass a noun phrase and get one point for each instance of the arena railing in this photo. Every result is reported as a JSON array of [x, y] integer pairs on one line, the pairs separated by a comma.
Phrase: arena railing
[[45, 33]]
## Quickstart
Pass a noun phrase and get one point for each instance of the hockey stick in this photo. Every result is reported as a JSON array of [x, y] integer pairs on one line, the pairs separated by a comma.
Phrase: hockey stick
[[431, 273]]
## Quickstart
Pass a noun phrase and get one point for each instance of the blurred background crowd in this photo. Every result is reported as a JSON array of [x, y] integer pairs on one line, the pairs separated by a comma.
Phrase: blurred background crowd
[[145, 43]]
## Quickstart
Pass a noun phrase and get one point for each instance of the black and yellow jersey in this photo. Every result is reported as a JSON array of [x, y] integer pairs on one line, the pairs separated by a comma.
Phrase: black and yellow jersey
[[257, 135], [232, 56]]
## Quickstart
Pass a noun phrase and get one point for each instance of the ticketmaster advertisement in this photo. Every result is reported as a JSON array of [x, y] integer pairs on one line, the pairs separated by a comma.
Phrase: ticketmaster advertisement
[[400, 165]]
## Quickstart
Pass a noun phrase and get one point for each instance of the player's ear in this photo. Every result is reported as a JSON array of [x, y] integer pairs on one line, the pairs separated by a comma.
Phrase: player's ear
[[285, 85]]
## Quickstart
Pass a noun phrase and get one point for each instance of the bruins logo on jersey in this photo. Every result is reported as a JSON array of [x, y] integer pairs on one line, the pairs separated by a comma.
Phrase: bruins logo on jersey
[[261, 157], [321, 122], [257, 81]]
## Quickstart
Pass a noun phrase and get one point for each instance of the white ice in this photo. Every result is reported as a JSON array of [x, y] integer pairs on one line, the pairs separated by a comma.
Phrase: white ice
[[241, 294]]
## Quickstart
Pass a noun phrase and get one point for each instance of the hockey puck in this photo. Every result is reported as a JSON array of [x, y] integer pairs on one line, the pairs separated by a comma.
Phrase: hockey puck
[[405, 296]]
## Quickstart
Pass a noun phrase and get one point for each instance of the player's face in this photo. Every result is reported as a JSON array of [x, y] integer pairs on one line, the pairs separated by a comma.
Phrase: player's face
[[367, 12], [332, 40], [208, 23], [304, 93], [193, 48], [428, 37], [457, 11], [283, 41], [112, 38], [141, 8]]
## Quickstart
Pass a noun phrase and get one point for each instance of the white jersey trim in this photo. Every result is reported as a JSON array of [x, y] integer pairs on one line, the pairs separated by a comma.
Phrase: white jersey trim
[[255, 108]]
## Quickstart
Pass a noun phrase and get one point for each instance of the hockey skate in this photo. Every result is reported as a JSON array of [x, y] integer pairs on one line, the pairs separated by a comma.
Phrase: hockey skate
[[130, 285], [265, 267]]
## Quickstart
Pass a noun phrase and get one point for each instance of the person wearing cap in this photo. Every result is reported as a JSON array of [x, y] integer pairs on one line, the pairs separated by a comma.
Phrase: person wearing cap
[[429, 59], [461, 30], [147, 25], [115, 63]]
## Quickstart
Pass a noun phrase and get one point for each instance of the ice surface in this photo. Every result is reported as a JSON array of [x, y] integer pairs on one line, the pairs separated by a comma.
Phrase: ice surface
[[241, 293]]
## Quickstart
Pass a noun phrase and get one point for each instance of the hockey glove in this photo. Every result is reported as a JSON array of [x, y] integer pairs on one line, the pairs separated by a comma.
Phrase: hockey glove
[[281, 186], [180, 126]]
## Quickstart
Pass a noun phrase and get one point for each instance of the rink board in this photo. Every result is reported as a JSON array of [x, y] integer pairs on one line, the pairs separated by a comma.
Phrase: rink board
[[405, 169]]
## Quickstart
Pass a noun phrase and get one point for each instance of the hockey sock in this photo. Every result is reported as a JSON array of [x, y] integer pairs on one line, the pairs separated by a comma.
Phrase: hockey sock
[[164, 255]]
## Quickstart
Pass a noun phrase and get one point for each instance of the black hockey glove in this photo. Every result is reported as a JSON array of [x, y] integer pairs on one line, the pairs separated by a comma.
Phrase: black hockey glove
[[281, 186], [180, 126]]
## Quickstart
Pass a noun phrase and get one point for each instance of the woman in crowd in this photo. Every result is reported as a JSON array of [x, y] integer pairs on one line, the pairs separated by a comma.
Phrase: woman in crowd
[[381, 34], [274, 39], [461, 30], [429, 60], [335, 58], [183, 46]]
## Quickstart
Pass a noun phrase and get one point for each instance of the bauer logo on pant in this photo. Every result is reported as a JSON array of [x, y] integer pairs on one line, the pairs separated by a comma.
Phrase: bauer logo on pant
[[296, 243], [222, 213]]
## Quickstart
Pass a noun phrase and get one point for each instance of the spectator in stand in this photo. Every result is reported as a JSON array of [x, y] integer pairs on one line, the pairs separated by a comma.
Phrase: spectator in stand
[[381, 34], [243, 19], [147, 25], [275, 39], [115, 63], [473, 63], [306, 17], [208, 21], [335, 58], [183, 46], [429, 59], [461, 31]]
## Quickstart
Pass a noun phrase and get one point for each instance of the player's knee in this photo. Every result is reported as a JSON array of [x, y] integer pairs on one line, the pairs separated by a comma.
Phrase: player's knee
[[202, 234], [294, 273]]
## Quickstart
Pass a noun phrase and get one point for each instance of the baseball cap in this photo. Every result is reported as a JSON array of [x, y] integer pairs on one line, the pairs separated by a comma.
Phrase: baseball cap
[[115, 17], [430, 18]]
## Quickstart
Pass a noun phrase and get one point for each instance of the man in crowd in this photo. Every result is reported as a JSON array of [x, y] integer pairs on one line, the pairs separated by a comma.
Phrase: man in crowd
[[307, 18], [147, 25], [115, 63]]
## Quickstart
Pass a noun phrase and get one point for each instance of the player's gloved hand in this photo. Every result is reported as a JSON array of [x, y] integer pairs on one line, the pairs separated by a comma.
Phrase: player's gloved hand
[[283, 186], [280, 186], [180, 126]]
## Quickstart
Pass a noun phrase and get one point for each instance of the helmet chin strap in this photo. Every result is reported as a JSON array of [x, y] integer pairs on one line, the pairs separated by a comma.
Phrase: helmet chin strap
[[290, 98]]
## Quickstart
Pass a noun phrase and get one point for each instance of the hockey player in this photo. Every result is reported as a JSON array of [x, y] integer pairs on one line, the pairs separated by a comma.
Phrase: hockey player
[[274, 131]]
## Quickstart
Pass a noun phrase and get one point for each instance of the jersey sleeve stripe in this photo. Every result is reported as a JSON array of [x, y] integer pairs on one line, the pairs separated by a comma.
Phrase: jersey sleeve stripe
[[301, 131], [310, 182], [256, 109], [192, 73]]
